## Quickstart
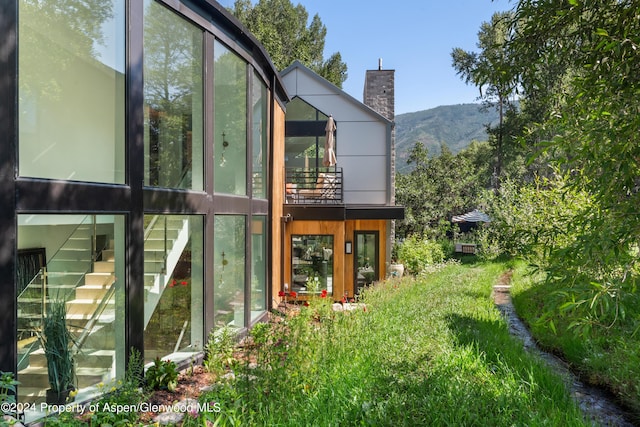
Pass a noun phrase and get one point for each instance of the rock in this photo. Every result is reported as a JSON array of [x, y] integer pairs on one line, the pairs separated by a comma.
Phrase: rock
[[169, 418]]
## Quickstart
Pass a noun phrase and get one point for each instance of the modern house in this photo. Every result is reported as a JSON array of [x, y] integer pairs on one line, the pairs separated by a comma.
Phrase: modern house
[[338, 203], [136, 171], [150, 179]]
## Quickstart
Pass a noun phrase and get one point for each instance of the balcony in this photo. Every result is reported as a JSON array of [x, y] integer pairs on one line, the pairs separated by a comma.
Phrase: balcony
[[314, 186]]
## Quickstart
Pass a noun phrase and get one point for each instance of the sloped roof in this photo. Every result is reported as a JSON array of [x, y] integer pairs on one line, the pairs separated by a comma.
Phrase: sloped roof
[[297, 65], [473, 216]]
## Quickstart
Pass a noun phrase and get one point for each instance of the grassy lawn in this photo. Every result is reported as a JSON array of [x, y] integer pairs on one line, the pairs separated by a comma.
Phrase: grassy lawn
[[429, 351], [609, 357]]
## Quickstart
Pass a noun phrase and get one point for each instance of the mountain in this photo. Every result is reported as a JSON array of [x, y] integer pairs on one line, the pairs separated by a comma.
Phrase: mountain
[[454, 125]]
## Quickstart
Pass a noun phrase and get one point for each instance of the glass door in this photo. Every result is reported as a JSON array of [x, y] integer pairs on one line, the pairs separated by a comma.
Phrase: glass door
[[366, 269]]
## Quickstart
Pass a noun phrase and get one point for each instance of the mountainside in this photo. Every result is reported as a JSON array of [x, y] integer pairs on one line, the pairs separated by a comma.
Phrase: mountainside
[[454, 125]]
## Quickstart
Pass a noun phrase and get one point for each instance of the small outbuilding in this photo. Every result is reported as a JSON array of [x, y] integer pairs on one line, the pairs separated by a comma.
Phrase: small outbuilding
[[470, 220], [467, 222]]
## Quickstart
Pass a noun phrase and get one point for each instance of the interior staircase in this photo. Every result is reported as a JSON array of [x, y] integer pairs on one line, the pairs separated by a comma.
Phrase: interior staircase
[[88, 287], [90, 318], [165, 240]]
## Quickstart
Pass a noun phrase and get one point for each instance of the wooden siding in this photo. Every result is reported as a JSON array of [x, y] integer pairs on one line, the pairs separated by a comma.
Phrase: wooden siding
[[277, 200], [343, 264]]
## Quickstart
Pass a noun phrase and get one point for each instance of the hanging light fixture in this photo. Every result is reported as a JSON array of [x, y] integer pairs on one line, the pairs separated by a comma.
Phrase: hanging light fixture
[[225, 144]]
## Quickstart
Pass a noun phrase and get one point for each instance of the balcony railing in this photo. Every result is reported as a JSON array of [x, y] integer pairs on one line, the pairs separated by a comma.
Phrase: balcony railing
[[313, 186]]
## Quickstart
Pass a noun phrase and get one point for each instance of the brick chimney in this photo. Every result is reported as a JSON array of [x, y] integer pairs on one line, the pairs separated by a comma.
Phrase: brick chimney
[[379, 95], [379, 91]]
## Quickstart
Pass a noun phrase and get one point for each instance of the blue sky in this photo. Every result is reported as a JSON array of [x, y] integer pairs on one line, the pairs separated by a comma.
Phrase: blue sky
[[413, 37]]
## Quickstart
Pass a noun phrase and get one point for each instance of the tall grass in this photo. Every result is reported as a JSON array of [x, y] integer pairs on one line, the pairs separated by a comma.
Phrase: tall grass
[[432, 351], [605, 356]]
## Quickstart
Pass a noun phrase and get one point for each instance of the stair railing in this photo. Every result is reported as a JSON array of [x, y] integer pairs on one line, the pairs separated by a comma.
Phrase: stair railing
[[95, 317], [41, 279], [38, 281]]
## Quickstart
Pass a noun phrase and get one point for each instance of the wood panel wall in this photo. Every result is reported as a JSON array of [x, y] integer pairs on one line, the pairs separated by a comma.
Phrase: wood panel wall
[[343, 264], [277, 200], [365, 225]]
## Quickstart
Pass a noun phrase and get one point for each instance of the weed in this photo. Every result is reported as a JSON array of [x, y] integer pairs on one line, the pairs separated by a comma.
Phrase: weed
[[219, 351]]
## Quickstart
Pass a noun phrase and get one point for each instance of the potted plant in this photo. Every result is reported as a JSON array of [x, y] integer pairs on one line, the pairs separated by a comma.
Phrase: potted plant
[[56, 340]]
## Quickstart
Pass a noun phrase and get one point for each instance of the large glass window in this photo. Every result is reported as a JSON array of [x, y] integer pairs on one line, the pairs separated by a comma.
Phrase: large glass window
[[305, 135], [258, 266], [312, 258], [259, 137], [71, 90], [229, 270], [80, 260], [230, 121], [173, 100], [174, 283]]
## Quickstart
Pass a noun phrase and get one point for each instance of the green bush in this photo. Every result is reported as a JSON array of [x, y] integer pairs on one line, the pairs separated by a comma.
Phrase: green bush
[[417, 254], [532, 220], [163, 374]]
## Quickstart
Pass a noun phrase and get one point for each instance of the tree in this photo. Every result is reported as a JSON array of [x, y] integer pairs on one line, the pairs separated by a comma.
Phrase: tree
[[489, 70], [282, 29], [439, 187], [592, 125]]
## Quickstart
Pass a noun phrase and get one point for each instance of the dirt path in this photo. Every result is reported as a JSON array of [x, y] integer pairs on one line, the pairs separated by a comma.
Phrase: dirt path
[[596, 404]]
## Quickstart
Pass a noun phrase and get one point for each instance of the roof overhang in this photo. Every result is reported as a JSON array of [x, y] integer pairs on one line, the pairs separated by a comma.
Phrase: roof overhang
[[343, 212], [375, 212]]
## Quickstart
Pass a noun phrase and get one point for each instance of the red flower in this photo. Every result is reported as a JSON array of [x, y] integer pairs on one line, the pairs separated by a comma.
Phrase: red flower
[[184, 283], [172, 284], [293, 294], [306, 304], [281, 294], [344, 300], [323, 294]]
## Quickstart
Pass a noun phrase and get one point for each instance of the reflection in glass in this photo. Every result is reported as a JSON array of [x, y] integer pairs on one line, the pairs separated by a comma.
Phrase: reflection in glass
[[230, 121], [259, 137], [305, 147], [71, 90], [258, 266], [312, 257], [84, 259], [229, 270], [173, 100], [174, 283], [366, 255]]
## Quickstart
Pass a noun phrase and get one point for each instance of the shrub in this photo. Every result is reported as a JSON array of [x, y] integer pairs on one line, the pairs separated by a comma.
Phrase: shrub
[[416, 254], [531, 220]]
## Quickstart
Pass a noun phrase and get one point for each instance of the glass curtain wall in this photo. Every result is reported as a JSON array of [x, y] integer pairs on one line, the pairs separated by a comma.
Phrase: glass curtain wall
[[173, 97], [82, 265], [72, 127], [259, 131], [229, 270], [258, 266], [230, 121], [174, 285], [71, 90]]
